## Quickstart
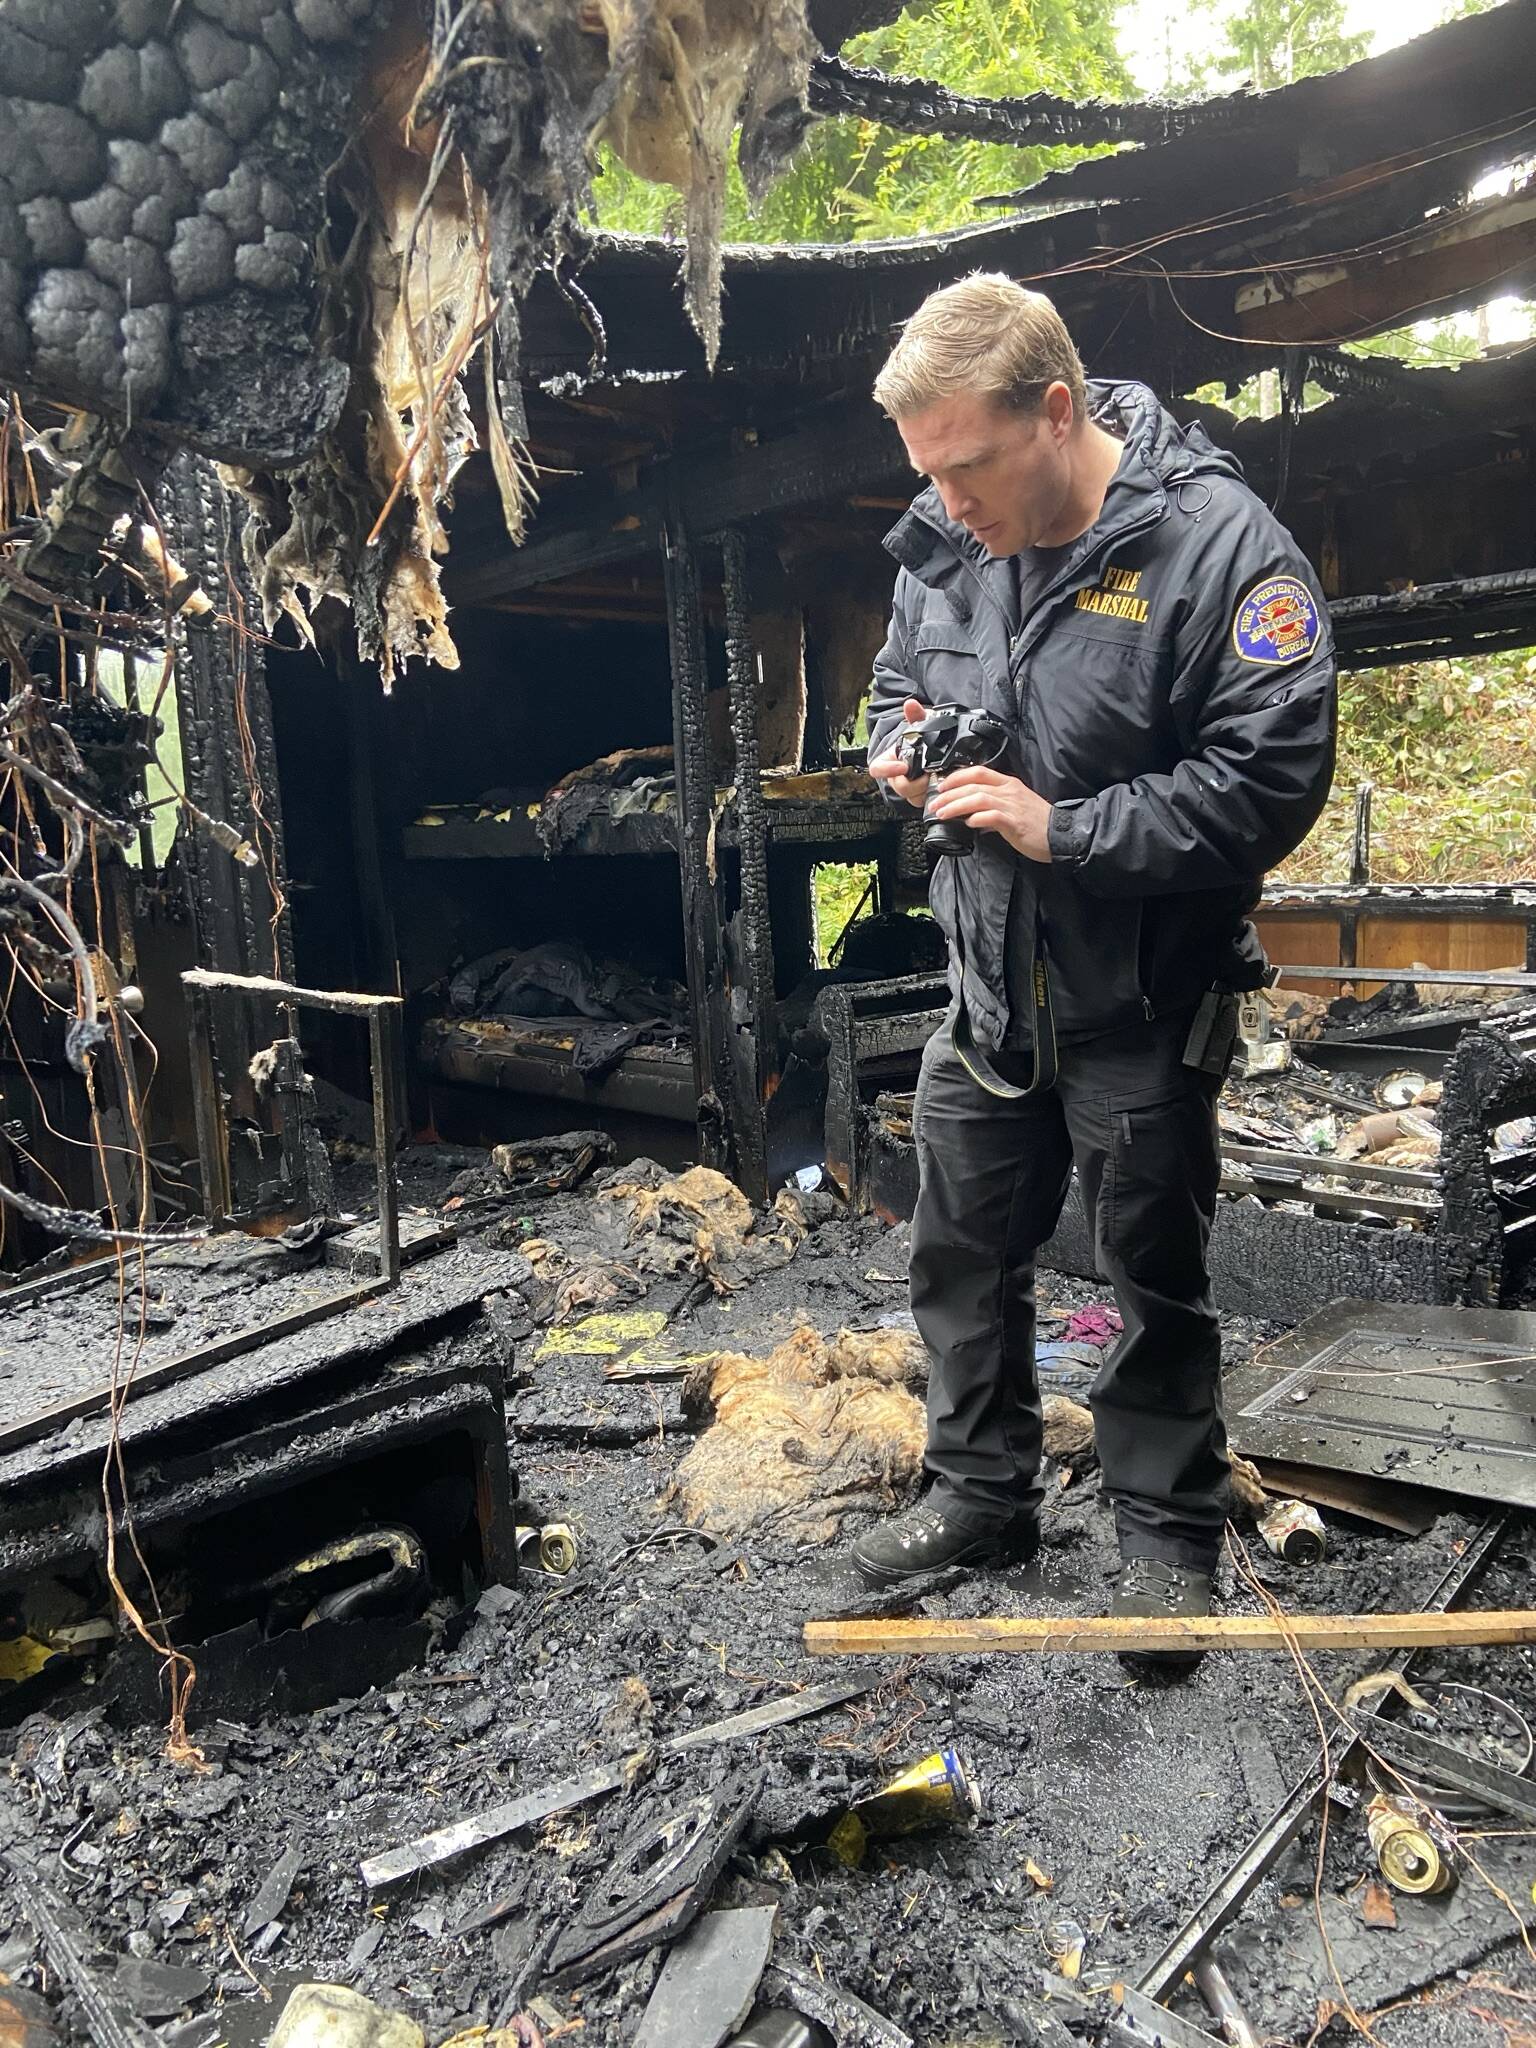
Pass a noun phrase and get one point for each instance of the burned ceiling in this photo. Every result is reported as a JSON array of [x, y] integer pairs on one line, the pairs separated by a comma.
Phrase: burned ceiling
[[333, 243], [283, 232]]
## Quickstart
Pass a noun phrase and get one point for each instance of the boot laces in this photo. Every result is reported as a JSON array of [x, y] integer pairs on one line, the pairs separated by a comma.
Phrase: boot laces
[[921, 1524], [1152, 1578]]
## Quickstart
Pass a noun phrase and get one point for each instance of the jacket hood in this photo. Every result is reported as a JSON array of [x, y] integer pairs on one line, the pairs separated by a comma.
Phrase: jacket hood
[[1159, 454]]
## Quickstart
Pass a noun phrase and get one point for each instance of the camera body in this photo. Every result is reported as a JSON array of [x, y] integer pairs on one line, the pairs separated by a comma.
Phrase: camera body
[[951, 736]]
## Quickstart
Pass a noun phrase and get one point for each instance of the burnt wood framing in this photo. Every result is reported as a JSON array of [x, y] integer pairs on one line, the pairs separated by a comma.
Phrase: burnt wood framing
[[236, 890], [1475, 616], [1446, 264], [1455, 94], [226, 737], [749, 934], [1344, 211], [1337, 171], [1420, 475], [1344, 208], [702, 936], [920, 106], [847, 450]]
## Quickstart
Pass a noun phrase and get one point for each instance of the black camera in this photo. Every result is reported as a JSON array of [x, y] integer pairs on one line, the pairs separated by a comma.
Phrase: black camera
[[950, 737]]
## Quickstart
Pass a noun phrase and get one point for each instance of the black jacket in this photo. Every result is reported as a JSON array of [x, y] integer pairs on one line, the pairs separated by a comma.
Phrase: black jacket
[[1173, 694]]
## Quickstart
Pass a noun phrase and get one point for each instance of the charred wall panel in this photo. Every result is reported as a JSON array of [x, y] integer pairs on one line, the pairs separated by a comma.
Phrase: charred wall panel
[[450, 910], [533, 699], [1265, 1262], [1430, 528]]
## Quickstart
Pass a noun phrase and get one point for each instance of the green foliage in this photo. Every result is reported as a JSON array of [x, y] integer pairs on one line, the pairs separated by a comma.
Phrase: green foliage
[[837, 888], [1270, 43], [1428, 345], [109, 674], [856, 180], [1446, 745]]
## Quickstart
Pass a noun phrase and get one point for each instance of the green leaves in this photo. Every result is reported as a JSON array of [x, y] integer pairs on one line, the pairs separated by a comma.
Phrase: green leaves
[[1270, 43], [1446, 744], [857, 181]]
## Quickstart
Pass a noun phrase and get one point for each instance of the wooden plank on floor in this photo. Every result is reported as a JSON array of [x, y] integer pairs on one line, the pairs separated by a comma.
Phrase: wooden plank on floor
[[1067, 1634], [1408, 1510]]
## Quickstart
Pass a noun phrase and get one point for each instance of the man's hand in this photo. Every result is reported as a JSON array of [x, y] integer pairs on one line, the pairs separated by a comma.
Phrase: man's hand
[[990, 802], [888, 767]]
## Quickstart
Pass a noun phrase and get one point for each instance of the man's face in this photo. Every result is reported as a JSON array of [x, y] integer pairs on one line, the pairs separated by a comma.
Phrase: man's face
[[1004, 475]]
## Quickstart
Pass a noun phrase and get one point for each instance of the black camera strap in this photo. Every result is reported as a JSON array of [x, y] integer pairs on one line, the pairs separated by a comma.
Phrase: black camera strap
[[1043, 1023]]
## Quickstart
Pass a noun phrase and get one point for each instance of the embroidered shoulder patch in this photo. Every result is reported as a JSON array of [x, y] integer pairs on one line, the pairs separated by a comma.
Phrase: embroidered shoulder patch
[[1276, 622]]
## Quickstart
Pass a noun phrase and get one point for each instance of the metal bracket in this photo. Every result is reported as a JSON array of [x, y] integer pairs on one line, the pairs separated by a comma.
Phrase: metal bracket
[[1145, 2023], [1488, 1783], [383, 1017]]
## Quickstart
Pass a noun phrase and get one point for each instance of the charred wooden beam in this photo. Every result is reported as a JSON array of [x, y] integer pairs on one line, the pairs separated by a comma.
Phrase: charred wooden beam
[[754, 1033], [239, 907], [1476, 614], [1444, 265], [1374, 378], [1461, 89], [850, 450], [703, 941], [920, 106]]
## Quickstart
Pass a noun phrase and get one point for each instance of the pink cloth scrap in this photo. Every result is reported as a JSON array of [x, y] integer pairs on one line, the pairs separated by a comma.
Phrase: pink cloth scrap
[[1094, 1325]]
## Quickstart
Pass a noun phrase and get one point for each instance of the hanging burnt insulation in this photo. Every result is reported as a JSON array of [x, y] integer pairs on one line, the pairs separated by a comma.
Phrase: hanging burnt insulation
[[683, 73], [295, 235], [468, 177]]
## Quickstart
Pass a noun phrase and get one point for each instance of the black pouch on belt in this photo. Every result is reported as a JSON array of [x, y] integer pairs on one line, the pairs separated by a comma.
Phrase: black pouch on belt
[[1213, 1033]]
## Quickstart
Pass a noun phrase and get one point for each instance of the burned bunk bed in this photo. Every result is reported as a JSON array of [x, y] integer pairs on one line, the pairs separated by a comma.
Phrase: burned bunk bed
[[605, 898]]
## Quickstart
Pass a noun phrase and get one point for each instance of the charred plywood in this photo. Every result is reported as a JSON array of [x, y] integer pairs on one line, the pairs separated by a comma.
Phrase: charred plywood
[[1422, 477], [354, 1472]]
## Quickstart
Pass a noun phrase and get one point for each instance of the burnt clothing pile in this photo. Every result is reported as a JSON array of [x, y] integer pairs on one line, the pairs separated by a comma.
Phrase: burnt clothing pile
[[614, 786], [611, 1004]]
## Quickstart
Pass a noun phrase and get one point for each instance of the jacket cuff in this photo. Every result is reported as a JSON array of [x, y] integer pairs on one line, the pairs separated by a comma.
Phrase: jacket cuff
[[1070, 832], [873, 750]]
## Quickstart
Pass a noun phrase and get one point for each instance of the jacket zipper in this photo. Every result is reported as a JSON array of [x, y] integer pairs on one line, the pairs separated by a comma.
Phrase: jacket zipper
[[1015, 642], [1094, 560], [1066, 581]]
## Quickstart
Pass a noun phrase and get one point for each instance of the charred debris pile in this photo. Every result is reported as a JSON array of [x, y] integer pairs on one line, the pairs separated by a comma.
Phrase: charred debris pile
[[407, 1549], [597, 1789]]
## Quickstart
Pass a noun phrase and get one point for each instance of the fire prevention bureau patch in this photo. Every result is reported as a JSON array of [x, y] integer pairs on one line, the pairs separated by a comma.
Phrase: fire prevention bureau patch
[[1276, 622]]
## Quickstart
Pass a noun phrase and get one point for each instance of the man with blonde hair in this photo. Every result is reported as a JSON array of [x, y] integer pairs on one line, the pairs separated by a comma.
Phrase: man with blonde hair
[[1103, 583]]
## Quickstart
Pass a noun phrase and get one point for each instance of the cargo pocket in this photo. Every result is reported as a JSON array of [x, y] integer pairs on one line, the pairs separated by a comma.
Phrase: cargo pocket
[[1162, 1168]]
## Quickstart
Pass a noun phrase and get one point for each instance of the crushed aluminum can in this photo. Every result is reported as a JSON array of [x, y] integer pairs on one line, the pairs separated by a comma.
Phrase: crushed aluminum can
[[1294, 1530], [927, 1794], [551, 1548], [1412, 1857], [557, 1548], [1065, 1943], [935, 1791]]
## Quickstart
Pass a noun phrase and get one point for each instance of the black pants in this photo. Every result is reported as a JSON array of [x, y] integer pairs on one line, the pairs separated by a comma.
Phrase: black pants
[[1141, 1127]]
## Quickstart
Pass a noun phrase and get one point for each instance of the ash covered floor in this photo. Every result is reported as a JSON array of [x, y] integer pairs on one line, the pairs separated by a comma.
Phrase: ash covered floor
[[1106, 1802]]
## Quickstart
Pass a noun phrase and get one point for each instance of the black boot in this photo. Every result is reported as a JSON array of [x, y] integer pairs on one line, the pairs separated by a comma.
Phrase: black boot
[[927, 1539], [1152, 1589]]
